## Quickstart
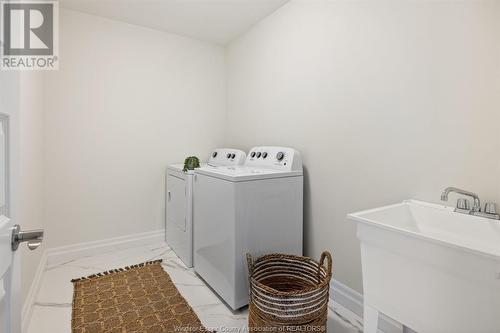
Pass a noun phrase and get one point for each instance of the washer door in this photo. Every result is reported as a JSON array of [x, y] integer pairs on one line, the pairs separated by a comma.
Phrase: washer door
[[176, 203]]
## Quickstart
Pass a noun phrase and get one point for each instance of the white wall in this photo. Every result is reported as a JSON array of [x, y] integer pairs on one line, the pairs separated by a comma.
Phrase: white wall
[[31, 169], [126, 102], [386, 100]]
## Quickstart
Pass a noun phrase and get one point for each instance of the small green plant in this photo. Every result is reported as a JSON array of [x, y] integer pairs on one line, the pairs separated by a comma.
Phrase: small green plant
[[191, 163]]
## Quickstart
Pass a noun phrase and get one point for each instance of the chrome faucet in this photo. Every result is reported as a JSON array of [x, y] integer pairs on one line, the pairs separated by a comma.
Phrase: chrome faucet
[[477, 202], [463, 205]]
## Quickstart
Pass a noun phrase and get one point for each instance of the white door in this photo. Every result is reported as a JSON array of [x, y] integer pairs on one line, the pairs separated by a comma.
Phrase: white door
[[10, 238], [9, 310]]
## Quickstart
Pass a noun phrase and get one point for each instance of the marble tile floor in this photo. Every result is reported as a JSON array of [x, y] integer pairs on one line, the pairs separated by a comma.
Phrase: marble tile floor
[[52, 308]]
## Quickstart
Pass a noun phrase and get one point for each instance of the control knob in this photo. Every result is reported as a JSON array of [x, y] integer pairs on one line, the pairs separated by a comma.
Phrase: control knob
[[490, 208], [280, 156]]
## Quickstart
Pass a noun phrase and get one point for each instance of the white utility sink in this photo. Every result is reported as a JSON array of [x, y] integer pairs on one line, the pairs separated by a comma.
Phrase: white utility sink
[[430, 268]]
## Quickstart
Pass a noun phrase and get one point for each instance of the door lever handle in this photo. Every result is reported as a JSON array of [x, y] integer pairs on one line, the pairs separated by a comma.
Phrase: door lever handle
[[33, 237]]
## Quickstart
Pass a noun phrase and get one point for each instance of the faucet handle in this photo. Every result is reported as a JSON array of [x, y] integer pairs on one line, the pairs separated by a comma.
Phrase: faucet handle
[[463, 204], [490, 208]]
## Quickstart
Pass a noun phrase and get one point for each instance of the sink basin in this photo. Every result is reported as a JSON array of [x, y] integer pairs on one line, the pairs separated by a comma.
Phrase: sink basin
[[430, 268]]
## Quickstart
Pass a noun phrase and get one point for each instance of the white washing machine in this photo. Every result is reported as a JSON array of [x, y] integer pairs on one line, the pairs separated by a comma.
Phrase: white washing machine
[[179, 201], [255, 208]]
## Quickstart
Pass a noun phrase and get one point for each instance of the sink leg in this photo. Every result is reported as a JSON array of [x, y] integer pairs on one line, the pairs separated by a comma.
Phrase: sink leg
[[370, 319]]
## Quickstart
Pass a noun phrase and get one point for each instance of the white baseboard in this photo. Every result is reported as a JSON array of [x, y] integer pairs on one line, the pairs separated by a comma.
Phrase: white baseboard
[[62, 254], [353, 301]]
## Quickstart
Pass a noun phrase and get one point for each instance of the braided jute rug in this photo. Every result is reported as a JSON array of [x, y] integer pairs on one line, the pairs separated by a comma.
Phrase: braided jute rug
[[139, 298]]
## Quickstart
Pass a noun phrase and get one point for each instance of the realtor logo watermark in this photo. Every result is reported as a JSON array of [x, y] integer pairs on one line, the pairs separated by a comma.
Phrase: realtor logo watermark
[[29, 35]]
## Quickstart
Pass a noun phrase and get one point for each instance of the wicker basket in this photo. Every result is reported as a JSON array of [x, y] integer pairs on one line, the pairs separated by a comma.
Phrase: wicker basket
[[289, 293]]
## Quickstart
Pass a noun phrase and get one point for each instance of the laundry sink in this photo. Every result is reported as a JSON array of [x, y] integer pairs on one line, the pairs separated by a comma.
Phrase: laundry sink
[[430, 268]]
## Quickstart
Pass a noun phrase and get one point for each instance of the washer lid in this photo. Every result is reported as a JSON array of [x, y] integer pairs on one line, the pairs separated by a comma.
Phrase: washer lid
[[242, 173], [180, 167], [175, 167]]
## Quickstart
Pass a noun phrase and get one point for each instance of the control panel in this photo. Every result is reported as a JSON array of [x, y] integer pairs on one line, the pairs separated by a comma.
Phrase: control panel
[[280, 158], [226, 156]]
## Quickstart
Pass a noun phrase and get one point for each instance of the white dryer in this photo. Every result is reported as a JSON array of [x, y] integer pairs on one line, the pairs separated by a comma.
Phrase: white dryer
[[255, 208], [179, 201]]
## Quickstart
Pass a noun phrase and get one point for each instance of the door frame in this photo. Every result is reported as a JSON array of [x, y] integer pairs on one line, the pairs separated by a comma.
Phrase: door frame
[[5, 121]]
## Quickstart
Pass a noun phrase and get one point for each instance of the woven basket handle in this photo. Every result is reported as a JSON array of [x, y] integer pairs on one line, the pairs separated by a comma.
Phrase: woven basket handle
[[250, 265], [250, 273], [325, 255]]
